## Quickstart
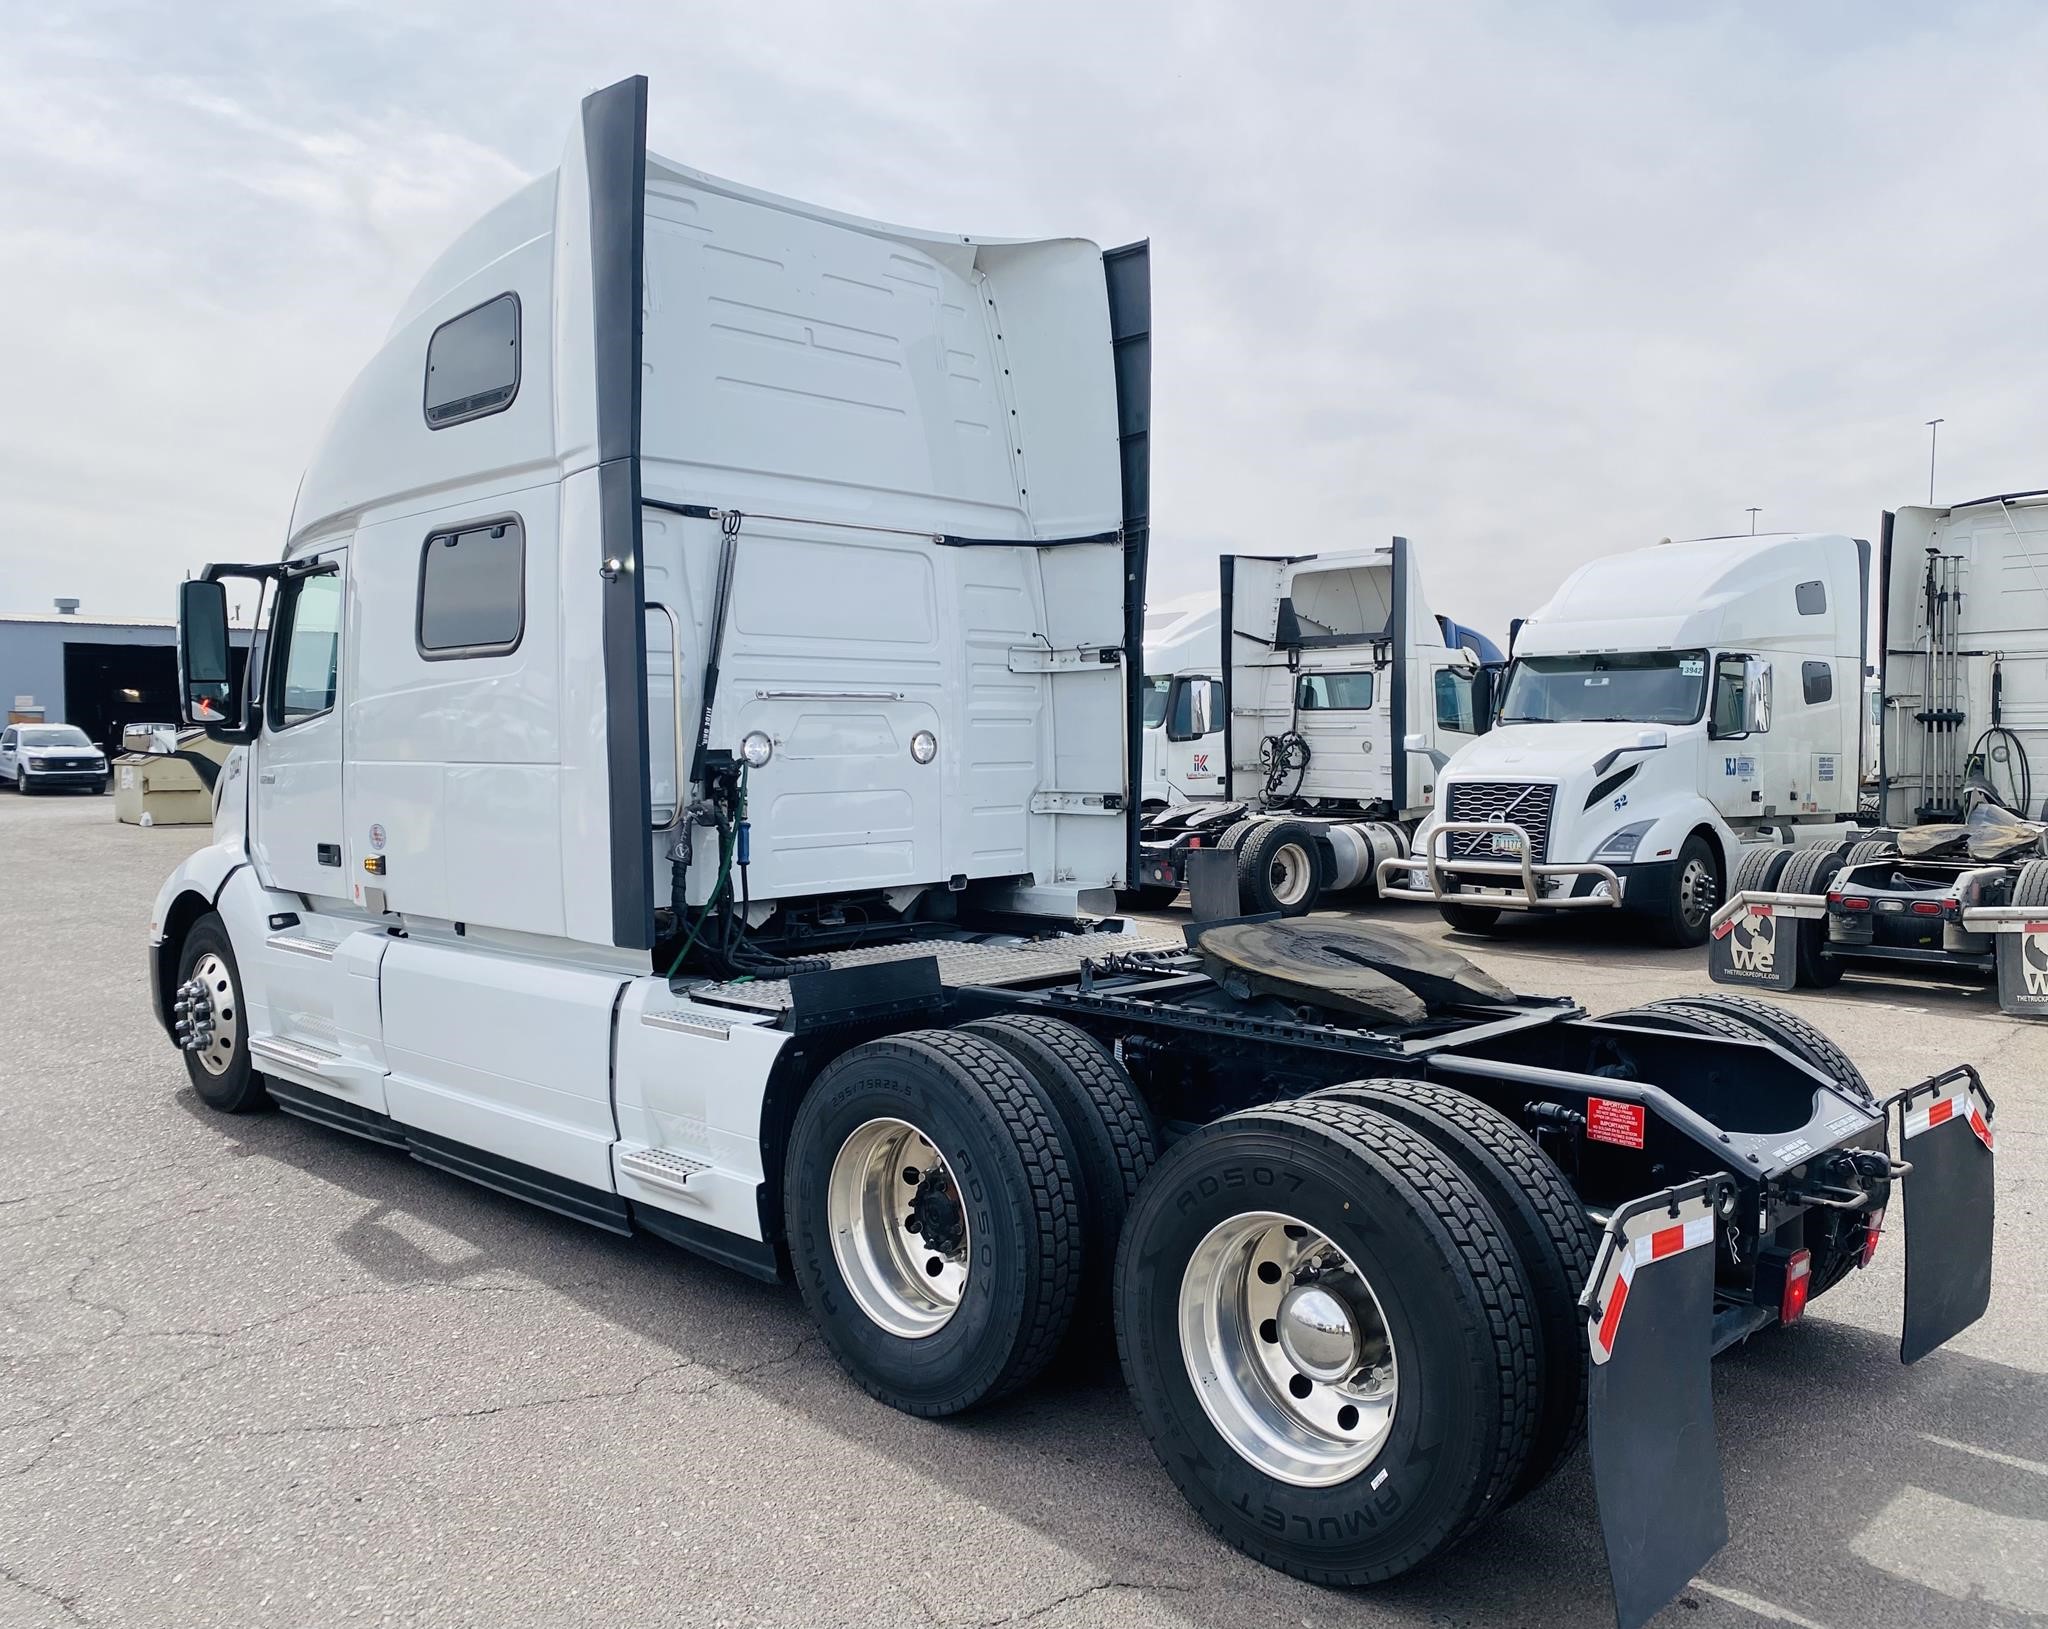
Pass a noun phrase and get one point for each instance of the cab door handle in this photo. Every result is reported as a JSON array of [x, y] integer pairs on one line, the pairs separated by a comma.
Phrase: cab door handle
[[328, 853]]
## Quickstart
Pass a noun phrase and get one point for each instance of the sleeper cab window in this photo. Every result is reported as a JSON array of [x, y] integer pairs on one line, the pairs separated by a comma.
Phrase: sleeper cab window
[[1333, 692], [473, 590], [1811, 598], [473, 363], [1818, 681]]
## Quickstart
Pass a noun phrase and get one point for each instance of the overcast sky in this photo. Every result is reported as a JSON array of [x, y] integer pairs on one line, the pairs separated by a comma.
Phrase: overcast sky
[[1525, 283]]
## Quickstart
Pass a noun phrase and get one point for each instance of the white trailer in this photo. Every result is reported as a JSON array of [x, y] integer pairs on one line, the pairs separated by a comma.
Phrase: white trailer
[[700, 700], [1342, 696], [1672, 715]]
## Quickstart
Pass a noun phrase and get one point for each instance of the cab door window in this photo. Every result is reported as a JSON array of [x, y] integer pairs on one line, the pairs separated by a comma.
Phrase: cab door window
[[308, 633], [1731, 691]]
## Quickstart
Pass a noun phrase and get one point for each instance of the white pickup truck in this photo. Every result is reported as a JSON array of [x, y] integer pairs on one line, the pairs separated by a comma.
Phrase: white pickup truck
[[700, 705], [1671, 712]]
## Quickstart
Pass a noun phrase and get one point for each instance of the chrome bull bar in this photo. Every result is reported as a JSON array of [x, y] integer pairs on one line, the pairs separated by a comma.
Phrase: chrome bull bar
[[1434, 864]]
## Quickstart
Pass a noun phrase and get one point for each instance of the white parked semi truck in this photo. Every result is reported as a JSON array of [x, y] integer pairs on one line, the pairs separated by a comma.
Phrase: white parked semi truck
[[1343, 695], [1672, 715], [701, 702], [1956, 877], [1183, 758]]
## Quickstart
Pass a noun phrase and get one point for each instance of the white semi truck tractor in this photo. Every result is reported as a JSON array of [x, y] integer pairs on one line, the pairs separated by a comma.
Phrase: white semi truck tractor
[[1673, 714], [700, 708], [1342, 695], [1183, 757]]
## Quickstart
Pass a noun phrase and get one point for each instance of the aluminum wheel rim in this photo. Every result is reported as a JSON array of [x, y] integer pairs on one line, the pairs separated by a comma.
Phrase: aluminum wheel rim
[[1289, 873], [906, 1285], [218, 986], [1288, 1349], [1696, 891]]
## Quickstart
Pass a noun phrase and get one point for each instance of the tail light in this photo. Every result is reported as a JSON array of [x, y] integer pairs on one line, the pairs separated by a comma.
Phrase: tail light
[[1873, 1229], [1798, 1280], [1927, 907], [1853, 902], [1194, 842]]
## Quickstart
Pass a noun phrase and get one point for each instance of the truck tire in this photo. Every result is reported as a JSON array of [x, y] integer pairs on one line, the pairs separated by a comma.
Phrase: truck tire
[[1476, 919], [962, 1290], [1872, 848], [1280, 868], [1235, 833], [1760, 870], [1810, 872], [2031, 886], [1415, 1272], [1544, 1220], [1772, 1023], [221, 1072], [1686, 915], [1108, 1130]]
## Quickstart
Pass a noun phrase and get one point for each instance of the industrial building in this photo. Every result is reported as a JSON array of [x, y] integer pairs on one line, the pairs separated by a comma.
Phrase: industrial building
[[62, 668]]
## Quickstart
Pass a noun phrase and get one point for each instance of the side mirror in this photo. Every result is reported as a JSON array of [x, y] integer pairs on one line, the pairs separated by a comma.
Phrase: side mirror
[[205, 666], [1652, 741], [1756, 695], [1415, 743]]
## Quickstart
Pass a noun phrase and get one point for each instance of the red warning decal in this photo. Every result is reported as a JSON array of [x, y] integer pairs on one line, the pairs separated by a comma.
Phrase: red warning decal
[[1610, 1122]]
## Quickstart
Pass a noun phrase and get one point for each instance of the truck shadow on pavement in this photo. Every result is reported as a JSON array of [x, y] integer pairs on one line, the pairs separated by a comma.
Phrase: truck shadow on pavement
[[1858, 1492]]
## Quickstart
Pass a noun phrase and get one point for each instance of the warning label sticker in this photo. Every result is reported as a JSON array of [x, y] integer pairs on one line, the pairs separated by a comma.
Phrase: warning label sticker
[[1610, 1122]]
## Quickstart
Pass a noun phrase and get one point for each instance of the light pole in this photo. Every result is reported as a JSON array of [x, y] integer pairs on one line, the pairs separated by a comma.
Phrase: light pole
[[1933, 435], [1754, 511]]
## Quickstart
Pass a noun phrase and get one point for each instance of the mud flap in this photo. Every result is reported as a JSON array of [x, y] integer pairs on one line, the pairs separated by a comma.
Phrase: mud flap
[[1650, 1405], [2023, 969], [1755, 943], [1945, 1136]]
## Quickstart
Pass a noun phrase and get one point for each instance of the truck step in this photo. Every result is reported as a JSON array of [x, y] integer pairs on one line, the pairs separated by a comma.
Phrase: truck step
[[662, 1167]]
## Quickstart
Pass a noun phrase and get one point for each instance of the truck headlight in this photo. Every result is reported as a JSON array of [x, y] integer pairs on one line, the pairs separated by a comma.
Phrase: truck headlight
[[1621, 845], [756, 748]]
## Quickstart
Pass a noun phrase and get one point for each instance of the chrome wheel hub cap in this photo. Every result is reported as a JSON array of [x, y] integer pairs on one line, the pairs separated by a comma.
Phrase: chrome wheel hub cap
[[1288, 1349], [900, 1234], [1696, 890], [204, 1017]]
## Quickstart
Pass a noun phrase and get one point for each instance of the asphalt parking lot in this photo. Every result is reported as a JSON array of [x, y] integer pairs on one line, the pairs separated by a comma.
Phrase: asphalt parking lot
[[258, 1373]]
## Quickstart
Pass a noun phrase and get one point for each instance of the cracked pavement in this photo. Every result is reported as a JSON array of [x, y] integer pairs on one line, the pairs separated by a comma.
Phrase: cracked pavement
[[253, 1372]]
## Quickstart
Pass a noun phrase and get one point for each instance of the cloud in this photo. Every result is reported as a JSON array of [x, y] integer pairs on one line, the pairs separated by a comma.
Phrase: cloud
[[1525, 284]]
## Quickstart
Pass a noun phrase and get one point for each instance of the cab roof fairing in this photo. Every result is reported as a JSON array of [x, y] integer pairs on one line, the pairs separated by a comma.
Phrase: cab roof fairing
[[1729, 593], [376, 453]]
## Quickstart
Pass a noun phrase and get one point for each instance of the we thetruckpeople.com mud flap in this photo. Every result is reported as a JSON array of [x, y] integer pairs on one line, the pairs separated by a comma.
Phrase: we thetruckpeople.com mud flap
[[1755, 938], [1945, 1138], [1650, 1305]]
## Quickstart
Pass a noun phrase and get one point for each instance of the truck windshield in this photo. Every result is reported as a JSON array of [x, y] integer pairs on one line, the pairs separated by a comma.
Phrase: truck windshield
[[1157, 688], [54, 736], [1636, 687]]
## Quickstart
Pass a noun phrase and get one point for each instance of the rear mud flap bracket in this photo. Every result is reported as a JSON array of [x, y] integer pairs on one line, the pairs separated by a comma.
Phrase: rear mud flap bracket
[[1650, 1409], [1946, 1141]]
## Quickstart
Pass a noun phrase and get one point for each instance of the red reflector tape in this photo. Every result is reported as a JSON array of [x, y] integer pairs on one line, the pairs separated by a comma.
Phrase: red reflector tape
[[1638, 1252], [1725, 928], [1610, 1122], [2037, 927], [1981, 1127], [1611, 1320], [1938, 1112]]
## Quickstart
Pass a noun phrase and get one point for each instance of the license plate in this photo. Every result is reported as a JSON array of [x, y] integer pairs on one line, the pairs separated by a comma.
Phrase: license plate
[[1506, 842]]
